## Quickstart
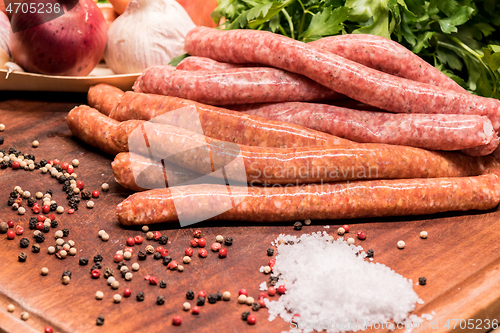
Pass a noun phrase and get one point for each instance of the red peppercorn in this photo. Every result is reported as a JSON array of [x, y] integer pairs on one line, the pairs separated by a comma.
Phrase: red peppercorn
[[96, 273], [36, 204], [172, 265], [10, 223], [251, 319], [271, 291], [188, 251], [36, 209], [46, 209], [95, 194], [39, 226], [64, 165], [56, 162], [202, 293], [16, 165], [118, 257], [147, 277], [281, 289], [272, 262], [130, 241], [262, 295], [164, 253], [49, 162], [138, 239], [156, 235], [223, 253], [243, 292], [361, 235], [71, 211], [40, 218], [346, 228], [70, 170], [261, 302], [196, 310], [129, 249], [19, 201], [197, 233], [216, 246], [202, 253], [80, 185], [11, 234], [177, 320], [19, 230], [48, 329], [160, 249], [52, 217], [202, 242], [127, 292], [153, 280], [194, 242]]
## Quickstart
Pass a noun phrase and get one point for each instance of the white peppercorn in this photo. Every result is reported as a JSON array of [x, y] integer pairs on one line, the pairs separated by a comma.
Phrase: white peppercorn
[[340, 231], [117, 298], [44, 271], [99, 295], [90, 204], [135, 266], [186, 306], [423, 234], [180, 268], [149, 235], [11, 308], [76, 190], [25, 315], [111, 279], [26, 194], [72, 251], [71, 243], [127, 255], [145, 228], [105, 187], [401, 244], [35, 144], [128, 276], [21, 210], [249, 300], [63, 253], [186, 259], [2, 127], [242, 299], [75, 163], [219, 238], [60, 209], [101, 232], [66, 279], [105, 237], [51, 250], [350, 241], [115, 285], [59, 234], [59, 241], [226, 296]]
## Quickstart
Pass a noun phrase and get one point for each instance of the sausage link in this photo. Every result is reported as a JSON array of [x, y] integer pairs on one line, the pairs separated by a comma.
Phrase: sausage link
[[434, 132], [140, 173], [223, 124], [206, 64], [233, 86], [385, 91], [264, 165], [386, 56], [359, 199], [104, 97], [93, 128], [483, 150]]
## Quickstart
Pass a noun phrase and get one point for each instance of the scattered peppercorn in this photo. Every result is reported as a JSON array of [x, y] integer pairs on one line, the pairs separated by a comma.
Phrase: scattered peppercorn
[[66, 234], [369, 253], [24, 243], [297, 226], [228, 241], [67, 273], [200, 301], [401, 244], [163, 284], [83, 261], [35, 248], [22, 257], [140, 296], [202, 253], [163, 240], [270, 252], [160, 300], [251, 319], [422, 281], [255, 306], [212, 298], [98, 258], [190, 295], [177, 320], [245, 315], [281, 289], [423, 234], [100, 321], [96, 273]]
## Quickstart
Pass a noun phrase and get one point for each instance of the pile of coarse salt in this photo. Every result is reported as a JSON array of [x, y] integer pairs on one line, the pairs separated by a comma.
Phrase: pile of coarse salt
[[331, 287]]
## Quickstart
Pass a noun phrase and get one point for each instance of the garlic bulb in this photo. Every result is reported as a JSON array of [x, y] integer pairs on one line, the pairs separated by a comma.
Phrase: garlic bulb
[[149, 33]]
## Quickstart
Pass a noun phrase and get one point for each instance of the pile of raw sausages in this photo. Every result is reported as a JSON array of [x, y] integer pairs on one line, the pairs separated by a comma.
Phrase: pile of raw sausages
[[285, 133]]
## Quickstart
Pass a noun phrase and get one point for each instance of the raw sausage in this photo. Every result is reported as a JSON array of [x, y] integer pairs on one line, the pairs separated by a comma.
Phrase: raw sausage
[[264, 165], [356, 81], [434, 132], [386, 56], [345, 200], [233, 86], [92, 127], [206, 64], [104, 97], [223, 124], [484, 149]]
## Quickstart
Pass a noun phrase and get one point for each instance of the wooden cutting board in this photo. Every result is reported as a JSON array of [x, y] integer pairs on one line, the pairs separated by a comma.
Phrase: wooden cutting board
[[460, 258]]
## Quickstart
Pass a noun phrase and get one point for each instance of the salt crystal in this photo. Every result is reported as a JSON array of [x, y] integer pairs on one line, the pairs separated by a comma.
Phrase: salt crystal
[[263, 286], [420, 301], [433, 313], [327, 227], [331, 287], [261, 269]]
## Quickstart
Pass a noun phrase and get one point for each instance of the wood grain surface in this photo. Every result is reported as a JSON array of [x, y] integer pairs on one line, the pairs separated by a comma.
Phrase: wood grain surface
[[460, 258]]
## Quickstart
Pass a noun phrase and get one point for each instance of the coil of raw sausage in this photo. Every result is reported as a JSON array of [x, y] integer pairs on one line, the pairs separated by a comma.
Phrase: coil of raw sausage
[[386, 56], [385, 91], [233, 86], [265, 165], [223, 124], [206, 64], [434, 132], [359, 199], [104, 97]]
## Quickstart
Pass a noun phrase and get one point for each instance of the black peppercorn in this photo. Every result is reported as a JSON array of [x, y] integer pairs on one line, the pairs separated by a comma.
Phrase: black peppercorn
[[123, 273], [66, 273], [14, 194], [121, 264], [273, 280], [255, 306], [141, 255], [9, 163], [12, 150], [53, 207], [200, 301], [369, 253], [37, 165], [97, 257], [4, 165], [40, 238], [31, 202], [2, 139], [297, 226], [62, 179], [35, 248], [228, 241], [270, 252], [66, 234], [422, 281], [85, 194], [157, 255], [163, 284], [167, 260], [290, 243], [219, 296], [163, 240], [49, 192], [108, 272], [24, 242], [245, 315], [83, 261], [46, 229], [94, 267], [43, 162], [10, 202], [99, 321], [53, 224], [160, 300], [58, 168], [140, 296], [190, 295], [212, 298], [22, 257]]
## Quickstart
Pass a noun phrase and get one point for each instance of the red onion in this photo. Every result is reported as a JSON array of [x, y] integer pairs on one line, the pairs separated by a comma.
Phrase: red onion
[[71, 44], [5, 31]]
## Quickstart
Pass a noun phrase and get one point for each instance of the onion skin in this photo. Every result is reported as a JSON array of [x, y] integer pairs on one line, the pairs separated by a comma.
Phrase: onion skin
[[5, 31], [70, 45]]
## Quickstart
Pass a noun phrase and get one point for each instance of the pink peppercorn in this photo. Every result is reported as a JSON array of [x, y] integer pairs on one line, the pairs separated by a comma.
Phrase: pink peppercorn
[[188, 252], [56, 162], [39, 226], [41, 218], [153, 280], [160, 249], [202, 253], [95, 194], [243, 292], [196, 310], [49, 162], [172, 265], [96, 273], [48, 329], [281, 289], [129, 249], [138, 239], [202, 242], [11, 234], [52, 217], [36, 209], [80, 185], [16, 165], [118, 257], [147, 277], [262, 295], [194, 242], [223, 253], [127, 292], [45, 209], [19, 201], [10, 223], [202, 293], [71, 211], [271, 291], [261, 302], [156, 235], [216, 246], [177, 320], [361, 235], [272, 262], [64, 165], [164, 253], [346, 228], [19, 230], [251, 319], [70, 170], [130, 241], [197, 233]]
